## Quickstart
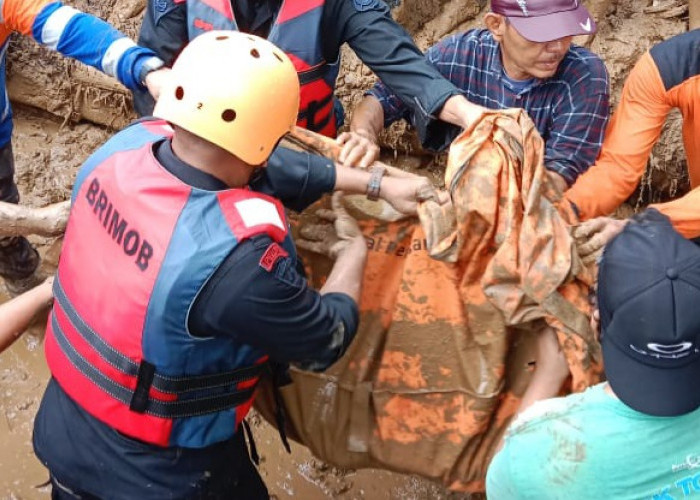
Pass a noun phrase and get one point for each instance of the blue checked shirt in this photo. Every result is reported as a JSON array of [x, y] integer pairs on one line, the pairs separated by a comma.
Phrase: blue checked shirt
[[570, 110]]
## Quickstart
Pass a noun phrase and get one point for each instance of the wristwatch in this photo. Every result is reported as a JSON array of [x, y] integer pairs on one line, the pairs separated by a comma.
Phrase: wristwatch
[[375, 182], [151, 64]]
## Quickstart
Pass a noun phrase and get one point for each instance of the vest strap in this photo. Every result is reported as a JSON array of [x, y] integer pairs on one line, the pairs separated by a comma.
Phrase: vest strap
[[311, 75], [162, 383], [144, 380], [312, 109], [164, 409]]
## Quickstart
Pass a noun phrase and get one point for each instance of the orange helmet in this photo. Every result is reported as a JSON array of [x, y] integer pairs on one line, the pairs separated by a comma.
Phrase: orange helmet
[[235, 90]]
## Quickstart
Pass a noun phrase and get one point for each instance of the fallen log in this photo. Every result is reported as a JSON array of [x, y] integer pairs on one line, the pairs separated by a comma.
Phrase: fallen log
[[18, 220]]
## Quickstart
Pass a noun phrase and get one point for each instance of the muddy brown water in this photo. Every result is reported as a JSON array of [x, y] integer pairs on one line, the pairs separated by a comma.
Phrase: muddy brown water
[[47, 156]]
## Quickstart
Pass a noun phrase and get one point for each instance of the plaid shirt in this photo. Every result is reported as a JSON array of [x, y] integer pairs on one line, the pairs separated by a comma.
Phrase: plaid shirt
[[570, 109]]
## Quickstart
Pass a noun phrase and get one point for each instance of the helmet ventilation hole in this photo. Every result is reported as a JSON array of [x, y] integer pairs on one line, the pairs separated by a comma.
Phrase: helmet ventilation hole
[[222, 37], [278, 57], [228, 115], [179, 93], [255, 53]]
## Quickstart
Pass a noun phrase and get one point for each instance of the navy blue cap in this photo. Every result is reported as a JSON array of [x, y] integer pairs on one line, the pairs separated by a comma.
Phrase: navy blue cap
[[649, 301]]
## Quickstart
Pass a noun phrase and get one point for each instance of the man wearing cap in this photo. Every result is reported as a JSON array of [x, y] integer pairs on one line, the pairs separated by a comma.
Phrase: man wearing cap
[[524, 59], [638, 434]]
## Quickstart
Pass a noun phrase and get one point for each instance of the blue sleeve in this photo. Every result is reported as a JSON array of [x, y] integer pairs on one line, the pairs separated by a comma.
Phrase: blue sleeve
[[393, 107], [275, 311], [92, 41], [164, 30], [579, 120], [296, 179], [383, 45], [435, 134]]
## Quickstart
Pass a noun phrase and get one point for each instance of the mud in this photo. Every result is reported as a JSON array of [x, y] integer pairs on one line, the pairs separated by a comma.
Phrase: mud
[[50, 145]]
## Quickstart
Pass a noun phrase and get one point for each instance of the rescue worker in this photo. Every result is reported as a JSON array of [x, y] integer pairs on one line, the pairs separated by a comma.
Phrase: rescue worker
[[177, 284], [523, 59], [666, 77], [74, 34], [311, 33]]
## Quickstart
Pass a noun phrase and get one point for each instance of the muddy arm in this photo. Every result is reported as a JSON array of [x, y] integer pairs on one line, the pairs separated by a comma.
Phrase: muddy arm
[[18, 313], [301, 139], [18, 220]]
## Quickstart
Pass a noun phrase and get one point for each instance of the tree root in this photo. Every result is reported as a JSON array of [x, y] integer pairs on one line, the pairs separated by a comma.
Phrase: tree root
[[18, 220]]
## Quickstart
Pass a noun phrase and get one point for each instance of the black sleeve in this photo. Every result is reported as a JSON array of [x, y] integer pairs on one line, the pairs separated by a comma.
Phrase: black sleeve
[[163, 30], [383, 45], [296, 179], [275, 311]]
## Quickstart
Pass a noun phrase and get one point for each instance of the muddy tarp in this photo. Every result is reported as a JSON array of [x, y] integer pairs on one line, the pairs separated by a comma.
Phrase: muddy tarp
[[444, 347]]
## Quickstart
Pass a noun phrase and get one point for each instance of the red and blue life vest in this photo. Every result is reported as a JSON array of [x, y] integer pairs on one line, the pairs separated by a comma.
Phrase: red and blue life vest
[[297, 31], [139, 246]]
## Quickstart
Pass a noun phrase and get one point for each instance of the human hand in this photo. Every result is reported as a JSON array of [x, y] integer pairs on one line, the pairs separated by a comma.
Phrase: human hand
[[592, 236], [332, 239], [155, 80], [359, 149], [44, 291], [459, 111], [404, 193]]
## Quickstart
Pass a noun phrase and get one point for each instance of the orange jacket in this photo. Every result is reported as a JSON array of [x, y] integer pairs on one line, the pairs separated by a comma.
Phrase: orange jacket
[[666, 77]]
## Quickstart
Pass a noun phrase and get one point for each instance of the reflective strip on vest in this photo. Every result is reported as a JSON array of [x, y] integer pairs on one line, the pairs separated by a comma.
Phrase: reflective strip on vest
[[163, 409], [172, 385]]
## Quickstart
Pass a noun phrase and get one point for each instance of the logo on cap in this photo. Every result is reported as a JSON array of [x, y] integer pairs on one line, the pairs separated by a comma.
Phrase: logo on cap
[[523, 6], [662, 351], [587, 25]]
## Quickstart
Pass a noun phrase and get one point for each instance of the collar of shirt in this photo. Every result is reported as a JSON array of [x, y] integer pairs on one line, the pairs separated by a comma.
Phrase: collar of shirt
[[255, 16], [191, 176], [497, 70]]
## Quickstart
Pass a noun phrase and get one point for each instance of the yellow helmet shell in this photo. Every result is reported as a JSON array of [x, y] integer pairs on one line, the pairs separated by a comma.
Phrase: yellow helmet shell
[[235, 90]]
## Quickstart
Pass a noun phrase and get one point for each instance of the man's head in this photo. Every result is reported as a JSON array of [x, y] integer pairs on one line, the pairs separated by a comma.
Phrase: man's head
[[649, 299], [535, 35], [237, 91]]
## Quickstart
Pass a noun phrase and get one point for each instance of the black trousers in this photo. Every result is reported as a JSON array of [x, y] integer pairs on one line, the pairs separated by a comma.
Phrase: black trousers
[[8, 188], [243, 482]]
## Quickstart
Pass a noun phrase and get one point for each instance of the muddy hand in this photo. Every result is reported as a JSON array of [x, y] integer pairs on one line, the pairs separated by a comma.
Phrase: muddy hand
[[336, 231], [155, 81], [319, 237], [358, 150], [346, 227], [404, 193], [592, 236]]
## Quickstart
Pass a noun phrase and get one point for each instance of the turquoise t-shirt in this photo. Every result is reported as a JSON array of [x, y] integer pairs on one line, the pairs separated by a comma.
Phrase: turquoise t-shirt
[[592, 446]]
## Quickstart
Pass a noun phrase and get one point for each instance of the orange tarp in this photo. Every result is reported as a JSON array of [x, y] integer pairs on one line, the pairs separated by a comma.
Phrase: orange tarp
[[442, 356]]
